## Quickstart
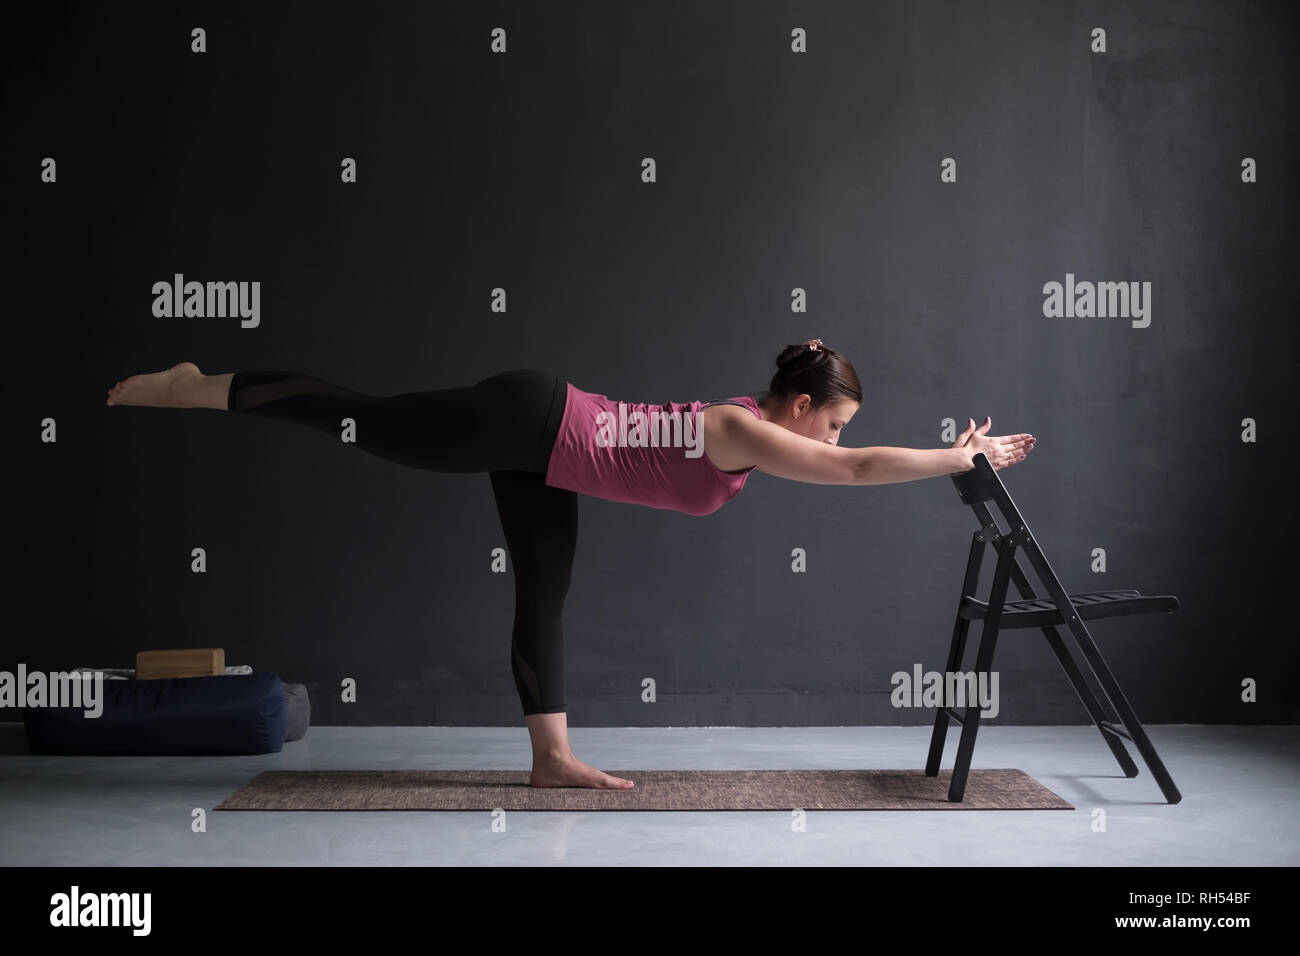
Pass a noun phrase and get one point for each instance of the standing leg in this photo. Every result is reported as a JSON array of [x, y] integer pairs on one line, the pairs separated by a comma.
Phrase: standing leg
[[541, 528]]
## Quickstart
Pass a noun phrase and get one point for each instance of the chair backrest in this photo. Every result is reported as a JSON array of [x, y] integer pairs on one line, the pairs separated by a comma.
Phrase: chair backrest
[[981, 485]]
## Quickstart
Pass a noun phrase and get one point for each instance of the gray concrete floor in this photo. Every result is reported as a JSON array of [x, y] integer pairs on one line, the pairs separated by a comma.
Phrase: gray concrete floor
[[1240, 790]]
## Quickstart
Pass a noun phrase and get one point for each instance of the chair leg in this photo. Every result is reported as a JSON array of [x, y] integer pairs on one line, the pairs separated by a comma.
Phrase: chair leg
[[1076, 678], [971, 721], [955, 653], [1120, 703], [1089, 700], [983, 665], [957, 650]]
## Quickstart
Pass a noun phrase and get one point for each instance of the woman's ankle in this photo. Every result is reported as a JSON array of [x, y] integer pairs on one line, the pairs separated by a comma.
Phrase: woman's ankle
[[213, 391], [550, 737], [554, 757]]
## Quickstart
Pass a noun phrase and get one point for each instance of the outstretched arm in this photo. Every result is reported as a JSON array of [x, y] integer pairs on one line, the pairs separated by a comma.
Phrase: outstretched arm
[[777, 451]]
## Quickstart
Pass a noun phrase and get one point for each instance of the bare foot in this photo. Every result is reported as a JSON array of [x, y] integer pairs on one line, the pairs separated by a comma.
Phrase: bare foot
[[572, 772], [169, 389]]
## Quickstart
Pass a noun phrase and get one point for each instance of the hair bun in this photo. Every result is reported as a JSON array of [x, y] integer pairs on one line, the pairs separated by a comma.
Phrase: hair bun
[[812, 369], [790, 353]]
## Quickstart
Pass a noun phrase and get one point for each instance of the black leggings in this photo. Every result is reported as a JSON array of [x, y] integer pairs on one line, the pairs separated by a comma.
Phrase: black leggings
[[504, 425]]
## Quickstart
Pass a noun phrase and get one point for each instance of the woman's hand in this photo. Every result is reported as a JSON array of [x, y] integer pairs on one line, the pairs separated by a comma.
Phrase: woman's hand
[[1001, 451]]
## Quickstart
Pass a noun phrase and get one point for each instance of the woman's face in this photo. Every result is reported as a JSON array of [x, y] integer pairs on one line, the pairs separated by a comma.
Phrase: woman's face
[[820, 424]]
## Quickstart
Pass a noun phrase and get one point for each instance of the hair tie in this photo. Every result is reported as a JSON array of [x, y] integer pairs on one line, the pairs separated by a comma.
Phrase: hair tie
[[813, 345]]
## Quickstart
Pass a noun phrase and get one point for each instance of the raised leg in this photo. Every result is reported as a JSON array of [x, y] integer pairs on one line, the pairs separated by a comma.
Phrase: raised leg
[[500, 423]]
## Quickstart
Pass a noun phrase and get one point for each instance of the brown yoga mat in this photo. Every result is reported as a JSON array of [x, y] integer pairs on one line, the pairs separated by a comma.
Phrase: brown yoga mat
[[655, 790]]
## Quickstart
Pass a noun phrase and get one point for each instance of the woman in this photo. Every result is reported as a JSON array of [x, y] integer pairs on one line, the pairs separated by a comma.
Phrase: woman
[[544, 442]]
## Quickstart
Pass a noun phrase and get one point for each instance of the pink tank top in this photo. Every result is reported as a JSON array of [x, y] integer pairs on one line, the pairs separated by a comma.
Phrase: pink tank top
[[641, 454]]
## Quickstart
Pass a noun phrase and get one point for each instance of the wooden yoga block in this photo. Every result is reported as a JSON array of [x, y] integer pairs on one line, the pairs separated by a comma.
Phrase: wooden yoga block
[[187, 662]]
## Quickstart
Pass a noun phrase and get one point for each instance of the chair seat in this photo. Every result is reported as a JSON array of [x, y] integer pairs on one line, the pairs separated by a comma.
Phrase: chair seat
[[1042, 612]]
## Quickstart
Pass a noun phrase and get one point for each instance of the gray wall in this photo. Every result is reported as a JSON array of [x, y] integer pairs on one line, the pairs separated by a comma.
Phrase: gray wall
[[776, 170]]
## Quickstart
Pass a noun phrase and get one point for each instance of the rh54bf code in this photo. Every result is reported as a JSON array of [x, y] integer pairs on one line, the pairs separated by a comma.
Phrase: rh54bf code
[[1160, 899]]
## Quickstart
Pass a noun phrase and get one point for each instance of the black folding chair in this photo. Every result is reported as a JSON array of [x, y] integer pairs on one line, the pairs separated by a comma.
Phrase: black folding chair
[[977, 487]]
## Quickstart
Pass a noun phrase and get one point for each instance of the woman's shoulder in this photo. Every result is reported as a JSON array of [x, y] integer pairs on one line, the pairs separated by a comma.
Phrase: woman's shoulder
[[737, 405], [723, 424]]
